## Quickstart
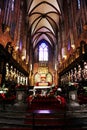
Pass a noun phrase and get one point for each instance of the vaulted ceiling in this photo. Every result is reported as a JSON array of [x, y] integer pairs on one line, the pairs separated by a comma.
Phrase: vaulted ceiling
[[43, 17]]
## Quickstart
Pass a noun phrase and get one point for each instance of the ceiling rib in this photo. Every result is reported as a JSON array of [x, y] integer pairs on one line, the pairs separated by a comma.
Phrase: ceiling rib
[[44, 18]]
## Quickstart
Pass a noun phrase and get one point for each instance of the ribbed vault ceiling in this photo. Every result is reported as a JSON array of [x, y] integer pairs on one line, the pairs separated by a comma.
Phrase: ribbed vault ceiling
[[44, 20]]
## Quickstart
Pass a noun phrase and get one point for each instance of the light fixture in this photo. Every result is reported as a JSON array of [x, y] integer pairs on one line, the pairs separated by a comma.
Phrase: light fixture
[[64, 53], [23, 54], [23, 57], [30, 66], [16, 48], [65, 57], [7, 29], [73, 46], [85, 26]]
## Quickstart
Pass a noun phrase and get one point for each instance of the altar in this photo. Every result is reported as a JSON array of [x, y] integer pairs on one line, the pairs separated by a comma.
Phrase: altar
[[42, 90], [43, 84], [42, 87]]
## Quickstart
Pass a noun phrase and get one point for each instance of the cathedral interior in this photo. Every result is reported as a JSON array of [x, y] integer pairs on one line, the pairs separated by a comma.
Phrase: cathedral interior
[[43, 62]]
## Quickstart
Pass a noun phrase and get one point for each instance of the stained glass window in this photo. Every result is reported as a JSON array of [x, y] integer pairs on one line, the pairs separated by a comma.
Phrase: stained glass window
[[43, 52], [12, 5], [79, 4]]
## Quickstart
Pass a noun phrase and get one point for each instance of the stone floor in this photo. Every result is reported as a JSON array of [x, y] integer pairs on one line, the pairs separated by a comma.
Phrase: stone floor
[[75, 118]]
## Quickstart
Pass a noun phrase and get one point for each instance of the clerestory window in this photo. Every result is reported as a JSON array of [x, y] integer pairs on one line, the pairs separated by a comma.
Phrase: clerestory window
[[78, 4], [12, 5]]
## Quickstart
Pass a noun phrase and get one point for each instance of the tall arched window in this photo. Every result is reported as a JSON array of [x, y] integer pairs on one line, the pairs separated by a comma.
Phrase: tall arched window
[[78, 4], [43, 52], [12, 5]]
